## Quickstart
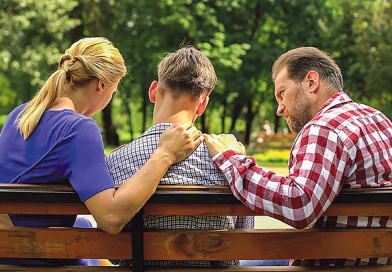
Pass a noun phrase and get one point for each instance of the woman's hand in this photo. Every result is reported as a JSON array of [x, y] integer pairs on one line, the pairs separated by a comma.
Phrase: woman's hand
[[113, 209], [218, 143], [179, 141]]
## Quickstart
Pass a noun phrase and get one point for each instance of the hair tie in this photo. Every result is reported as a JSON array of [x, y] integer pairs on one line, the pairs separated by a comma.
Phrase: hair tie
[[65, 58]]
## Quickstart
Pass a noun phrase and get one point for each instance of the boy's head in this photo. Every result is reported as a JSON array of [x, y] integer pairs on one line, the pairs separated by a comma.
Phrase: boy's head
[[187, 72]]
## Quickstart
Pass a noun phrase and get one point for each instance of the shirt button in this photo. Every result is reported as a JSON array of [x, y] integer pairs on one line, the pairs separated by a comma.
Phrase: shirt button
[[281, 199]]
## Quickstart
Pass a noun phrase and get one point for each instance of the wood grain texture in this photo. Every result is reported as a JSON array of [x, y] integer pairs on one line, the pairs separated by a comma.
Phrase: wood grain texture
[[67, 243], [74, 243], [267, 244], [43, 208], [366, 209], [217, 269]]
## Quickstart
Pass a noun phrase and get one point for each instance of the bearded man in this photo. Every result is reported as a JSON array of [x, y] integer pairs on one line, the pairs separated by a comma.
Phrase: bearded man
[[339, 143]]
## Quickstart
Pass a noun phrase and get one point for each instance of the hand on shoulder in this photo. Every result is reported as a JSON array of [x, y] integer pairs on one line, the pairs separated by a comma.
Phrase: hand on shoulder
[[218, 143]]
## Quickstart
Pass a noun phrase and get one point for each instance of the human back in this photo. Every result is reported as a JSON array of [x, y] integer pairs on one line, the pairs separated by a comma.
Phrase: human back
[[340, 143], [185, 80], [52, 139], [47, 141]]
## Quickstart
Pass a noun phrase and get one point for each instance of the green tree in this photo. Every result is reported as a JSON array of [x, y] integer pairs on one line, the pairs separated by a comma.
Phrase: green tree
[[32, 38]]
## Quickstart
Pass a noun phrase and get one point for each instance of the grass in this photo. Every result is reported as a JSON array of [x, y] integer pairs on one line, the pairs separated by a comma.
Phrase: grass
[[265, 222], [272, 158]]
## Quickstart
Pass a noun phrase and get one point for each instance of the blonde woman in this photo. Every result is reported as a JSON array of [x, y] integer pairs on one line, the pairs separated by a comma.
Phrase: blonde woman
[[52, 139]]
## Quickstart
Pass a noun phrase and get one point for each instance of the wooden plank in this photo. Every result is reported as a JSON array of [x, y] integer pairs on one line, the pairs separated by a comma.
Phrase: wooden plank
[[68, 188], [375, 209], [197, 209], [173, 194], [74, 243], [67, 243], [187, 188], [276, 269], [43, 208], [267, 244], [190, 269], [360, 209], [17, 268], [372, 209]]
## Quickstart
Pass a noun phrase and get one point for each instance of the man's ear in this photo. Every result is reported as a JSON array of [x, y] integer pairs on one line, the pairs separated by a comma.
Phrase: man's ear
[[202, 106], [153, 91], [100, 87], [312, 81]]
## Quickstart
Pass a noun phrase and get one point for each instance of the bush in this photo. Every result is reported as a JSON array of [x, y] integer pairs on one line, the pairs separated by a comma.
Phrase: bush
[[272, 157]]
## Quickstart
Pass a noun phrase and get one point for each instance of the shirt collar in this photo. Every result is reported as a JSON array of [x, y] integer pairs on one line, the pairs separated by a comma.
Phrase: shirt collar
[[156, 129], [337, 99]]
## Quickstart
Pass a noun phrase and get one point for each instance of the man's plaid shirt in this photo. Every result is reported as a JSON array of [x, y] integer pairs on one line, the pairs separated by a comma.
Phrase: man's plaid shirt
[[346, 144], [197, 169]]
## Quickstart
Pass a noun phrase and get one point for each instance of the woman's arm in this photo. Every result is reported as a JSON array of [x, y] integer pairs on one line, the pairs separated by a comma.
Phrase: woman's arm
[[113, 209]]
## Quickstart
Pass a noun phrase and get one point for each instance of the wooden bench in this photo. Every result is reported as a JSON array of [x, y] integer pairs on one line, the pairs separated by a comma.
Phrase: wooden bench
[[261, 141], [139, 244]]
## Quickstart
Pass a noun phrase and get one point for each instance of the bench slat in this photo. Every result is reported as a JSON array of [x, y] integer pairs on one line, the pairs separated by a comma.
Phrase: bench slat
[[67, 243], [17, 268], [74, 243], [270, 244], [172, 194], [231, 269], [372, 209], [276, 269]]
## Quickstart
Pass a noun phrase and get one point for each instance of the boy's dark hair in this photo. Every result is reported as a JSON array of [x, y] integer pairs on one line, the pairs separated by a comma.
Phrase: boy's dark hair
[[187, 72]]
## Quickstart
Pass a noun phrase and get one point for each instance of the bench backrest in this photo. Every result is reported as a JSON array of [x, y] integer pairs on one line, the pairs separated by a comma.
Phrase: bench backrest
[[139, 245]]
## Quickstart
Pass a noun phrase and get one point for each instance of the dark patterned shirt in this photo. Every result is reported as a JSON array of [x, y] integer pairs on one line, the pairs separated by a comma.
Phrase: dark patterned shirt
[[197, 169]]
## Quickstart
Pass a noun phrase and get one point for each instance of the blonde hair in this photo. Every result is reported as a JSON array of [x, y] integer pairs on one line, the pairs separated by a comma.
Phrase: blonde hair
[[86, 60]]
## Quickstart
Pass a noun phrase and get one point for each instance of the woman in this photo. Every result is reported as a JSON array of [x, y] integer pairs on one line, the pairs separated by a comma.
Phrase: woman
[[52, 139]]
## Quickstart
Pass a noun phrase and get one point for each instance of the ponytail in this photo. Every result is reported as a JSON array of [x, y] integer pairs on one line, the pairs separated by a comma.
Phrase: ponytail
[[86, 60], [30, 116]]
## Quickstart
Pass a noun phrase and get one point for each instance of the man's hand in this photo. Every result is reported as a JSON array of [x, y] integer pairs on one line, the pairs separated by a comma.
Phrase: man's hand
[[218, 143]]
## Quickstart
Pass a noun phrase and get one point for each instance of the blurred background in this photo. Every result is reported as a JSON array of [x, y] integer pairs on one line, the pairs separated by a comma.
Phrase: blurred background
[[242, 38]]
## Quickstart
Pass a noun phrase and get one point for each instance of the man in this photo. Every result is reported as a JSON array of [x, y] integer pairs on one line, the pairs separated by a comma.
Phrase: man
[[339, 143], [185, 80]]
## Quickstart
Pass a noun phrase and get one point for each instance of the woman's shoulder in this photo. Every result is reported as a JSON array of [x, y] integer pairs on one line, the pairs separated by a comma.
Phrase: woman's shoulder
[[15, 112], [68, 120]]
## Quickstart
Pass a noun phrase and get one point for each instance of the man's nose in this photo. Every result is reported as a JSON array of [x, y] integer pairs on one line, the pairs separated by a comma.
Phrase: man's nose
[[280, 110]]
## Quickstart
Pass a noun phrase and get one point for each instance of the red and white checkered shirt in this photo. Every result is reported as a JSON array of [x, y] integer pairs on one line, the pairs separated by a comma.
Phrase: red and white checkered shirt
[[345, 144]]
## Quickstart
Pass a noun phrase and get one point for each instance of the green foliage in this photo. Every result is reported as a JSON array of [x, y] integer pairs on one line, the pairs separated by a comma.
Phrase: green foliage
[[7, 96], [272, 157], [241, 37], [3, 118], [32, 40]]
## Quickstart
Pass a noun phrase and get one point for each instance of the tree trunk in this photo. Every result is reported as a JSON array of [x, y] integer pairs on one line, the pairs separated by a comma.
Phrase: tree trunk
[[77, 32], [145, 102], [109, 130], [235, 115], [203, 121], [129, 113], [276, 123], [224, 104], [100, 28], [223, 116], [249, 118]]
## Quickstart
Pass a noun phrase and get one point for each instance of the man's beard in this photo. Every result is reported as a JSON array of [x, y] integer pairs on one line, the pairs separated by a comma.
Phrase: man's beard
[[300, 114]]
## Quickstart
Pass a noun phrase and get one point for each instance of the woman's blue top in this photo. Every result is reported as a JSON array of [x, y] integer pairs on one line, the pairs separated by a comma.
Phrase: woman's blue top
[[65, 148]]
